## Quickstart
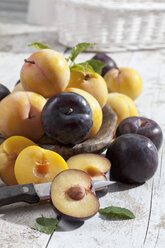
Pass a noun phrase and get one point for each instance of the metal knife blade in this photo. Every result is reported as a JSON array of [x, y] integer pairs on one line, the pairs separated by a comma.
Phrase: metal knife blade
[[43, 189], [33, 193]]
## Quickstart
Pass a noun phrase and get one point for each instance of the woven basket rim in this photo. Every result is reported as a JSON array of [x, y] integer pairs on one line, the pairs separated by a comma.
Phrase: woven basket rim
[[155, 6]]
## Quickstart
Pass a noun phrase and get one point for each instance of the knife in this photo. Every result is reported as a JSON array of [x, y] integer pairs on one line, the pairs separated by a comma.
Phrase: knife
[[33, 193]]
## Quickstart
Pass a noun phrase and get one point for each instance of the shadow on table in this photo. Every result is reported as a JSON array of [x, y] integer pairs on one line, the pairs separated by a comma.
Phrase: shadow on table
[[66, 226], [118, 187], [25, 214]]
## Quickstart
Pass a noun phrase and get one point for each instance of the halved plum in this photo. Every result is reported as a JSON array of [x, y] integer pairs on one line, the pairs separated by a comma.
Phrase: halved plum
[[72, 196], [95, 165]]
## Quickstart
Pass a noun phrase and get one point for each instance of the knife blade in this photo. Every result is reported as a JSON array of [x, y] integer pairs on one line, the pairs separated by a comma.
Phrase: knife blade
[[33, 193]]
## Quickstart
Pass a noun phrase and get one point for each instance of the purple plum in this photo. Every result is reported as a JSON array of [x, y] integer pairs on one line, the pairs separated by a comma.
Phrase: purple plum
[[134, 158], [107, 60], [143, 126], [67, 118]]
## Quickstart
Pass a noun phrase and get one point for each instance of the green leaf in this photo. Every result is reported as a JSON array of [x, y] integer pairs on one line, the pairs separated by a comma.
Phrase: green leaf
[[116, 213], [79, 48], [77, 67], [96, 65], [82, 67], [86, 66], [46, 225], [39, 45], [67, 59]]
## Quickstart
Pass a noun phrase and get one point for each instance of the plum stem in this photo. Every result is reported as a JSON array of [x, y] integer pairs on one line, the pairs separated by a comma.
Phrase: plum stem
[[32, 116], [69, 111], [29, 61], [87, 76], [142, 123]]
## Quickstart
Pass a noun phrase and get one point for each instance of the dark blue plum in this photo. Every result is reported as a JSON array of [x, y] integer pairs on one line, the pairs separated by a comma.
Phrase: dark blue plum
[[107, 60], [17, 82], [143, 126], [67, 118], [134, 158], [4, 91]]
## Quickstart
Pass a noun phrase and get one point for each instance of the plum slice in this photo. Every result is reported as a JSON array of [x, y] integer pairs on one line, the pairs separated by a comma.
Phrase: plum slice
[[72, 196], [95, 165]]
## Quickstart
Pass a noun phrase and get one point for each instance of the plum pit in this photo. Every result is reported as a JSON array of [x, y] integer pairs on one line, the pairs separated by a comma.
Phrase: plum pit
[[76, 192]]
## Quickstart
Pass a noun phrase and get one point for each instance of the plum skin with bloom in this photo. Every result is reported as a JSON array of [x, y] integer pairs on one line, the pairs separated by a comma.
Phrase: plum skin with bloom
[[134, 158], [143, 126], [67, 118]]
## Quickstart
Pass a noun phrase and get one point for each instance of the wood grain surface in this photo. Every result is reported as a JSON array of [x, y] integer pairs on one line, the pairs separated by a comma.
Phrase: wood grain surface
[[146, 201]]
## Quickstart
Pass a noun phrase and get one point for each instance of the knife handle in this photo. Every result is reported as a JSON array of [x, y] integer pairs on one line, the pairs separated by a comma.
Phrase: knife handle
[[18, 193]]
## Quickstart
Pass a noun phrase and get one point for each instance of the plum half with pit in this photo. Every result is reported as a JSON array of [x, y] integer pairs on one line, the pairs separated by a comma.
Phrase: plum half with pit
[[4, 91], [107, 60], [72, 196], [143, 126], [134, 158], [67, 118], [97, 167]]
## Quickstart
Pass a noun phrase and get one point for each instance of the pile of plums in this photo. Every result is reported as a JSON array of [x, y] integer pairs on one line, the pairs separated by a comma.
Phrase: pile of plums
[[134, 151], [67, 106]]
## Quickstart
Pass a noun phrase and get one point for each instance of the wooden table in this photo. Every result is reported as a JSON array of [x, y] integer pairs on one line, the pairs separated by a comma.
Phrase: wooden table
[[146, 201]]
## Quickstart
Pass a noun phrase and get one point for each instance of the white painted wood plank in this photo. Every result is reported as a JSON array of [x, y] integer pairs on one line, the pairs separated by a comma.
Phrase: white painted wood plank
[[10, 66], [155, 236], [17, 225]]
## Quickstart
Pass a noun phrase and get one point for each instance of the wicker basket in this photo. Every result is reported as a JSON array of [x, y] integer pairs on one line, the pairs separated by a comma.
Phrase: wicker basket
[[116, 26]]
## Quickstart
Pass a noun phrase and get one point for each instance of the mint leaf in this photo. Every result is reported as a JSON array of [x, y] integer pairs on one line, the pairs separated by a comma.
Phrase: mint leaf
[[38, 45], [46, 225], [96, 65], [79, 48], [116, 213]]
